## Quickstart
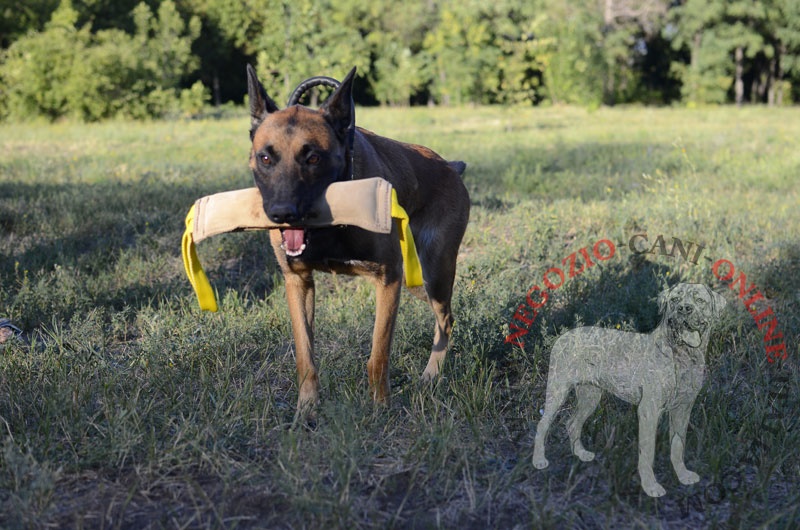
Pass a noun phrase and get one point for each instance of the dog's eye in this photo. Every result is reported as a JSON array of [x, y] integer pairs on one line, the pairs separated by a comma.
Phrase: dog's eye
[[265, 159], [313, 159]]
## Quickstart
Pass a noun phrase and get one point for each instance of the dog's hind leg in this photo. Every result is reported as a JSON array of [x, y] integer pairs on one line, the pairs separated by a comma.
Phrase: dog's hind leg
[[438, 251], [441, 338], [588, 399], [556, 394], [439, 271]]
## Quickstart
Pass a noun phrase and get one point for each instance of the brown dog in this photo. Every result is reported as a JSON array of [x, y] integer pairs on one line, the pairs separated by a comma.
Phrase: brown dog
[[297, 152]]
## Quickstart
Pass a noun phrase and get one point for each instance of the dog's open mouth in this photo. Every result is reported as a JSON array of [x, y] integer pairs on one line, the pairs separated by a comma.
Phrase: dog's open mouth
[[692, 334], [691, 337], [294, 241]]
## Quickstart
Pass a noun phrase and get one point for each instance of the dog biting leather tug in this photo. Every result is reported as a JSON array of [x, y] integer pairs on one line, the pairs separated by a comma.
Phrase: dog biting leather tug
[[310, 167]]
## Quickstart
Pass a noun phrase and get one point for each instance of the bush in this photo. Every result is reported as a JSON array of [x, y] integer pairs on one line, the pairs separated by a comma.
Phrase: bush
[[193, 100], [38, 67], [67, 71]]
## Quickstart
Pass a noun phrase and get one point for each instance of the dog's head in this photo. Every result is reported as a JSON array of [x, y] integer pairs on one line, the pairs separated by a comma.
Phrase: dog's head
[[297, 153], [688, 311]]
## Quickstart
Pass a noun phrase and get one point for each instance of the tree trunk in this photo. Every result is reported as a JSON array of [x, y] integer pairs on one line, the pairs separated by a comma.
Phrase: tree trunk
[[443, 79], [777, 89], [771, 83], [694, 75], [738, 85], [611, 88], [216, 89]]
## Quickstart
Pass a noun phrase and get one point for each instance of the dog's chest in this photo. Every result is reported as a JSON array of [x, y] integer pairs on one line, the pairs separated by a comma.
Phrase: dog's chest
[[688, 380]]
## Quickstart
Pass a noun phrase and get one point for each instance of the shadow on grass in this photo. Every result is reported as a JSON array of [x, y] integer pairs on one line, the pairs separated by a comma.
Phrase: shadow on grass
[[623, 295], [68, 248]]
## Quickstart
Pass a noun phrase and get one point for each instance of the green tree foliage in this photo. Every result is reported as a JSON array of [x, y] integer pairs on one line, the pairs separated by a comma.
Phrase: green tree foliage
[[303, 38], [459, 50], [17, 18], [66, 70], [573, 63], [37, 69], [395, 32], [165, 43], [784, 17], [629, 28], [523, 53], [95, 59], [739, 49]]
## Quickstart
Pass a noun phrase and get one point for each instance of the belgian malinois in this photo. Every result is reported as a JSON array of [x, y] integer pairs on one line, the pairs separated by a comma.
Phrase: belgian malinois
[[296, 153]]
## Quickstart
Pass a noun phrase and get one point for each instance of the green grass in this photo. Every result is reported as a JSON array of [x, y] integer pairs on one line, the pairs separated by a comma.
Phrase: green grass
[[129, 408]]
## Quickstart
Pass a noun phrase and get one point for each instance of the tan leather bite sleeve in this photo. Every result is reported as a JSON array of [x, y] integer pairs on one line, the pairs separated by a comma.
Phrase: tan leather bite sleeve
[[365, 203]]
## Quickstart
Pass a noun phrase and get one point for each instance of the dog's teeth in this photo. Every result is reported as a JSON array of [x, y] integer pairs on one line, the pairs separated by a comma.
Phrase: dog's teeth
[[294, 253]]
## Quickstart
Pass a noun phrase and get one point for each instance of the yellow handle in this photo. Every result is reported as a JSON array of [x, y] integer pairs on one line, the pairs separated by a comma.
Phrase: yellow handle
[[202, 287], [411, 264], [194, 270]]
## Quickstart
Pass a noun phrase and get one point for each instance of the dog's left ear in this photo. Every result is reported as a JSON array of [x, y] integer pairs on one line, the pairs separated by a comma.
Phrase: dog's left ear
[[339, 108], [260, 103], [718, 301], [663, 297]]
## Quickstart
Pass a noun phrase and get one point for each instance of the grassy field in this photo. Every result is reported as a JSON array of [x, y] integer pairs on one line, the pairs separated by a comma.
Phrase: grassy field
[[124, 406]]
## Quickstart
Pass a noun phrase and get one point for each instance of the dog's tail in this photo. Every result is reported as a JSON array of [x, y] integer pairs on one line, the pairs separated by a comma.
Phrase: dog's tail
[[458, 166]]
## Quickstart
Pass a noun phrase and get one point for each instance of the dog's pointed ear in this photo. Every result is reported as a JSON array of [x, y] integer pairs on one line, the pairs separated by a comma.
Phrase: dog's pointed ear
[[339, 107], [260, 102]]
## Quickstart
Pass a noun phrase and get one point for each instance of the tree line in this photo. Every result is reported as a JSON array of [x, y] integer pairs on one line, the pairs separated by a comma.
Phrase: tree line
[[98, 59]]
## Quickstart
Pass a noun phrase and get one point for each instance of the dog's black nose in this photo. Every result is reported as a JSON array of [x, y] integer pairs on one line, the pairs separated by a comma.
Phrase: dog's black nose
[[283, 212], [685, 309]]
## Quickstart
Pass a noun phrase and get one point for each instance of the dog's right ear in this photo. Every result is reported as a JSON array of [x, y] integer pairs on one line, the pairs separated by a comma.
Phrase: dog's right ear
[[339, 107], [260, 102], [718, 301]]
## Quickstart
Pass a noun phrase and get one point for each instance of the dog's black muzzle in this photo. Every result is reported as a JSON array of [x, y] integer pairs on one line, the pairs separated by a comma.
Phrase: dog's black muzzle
[[283, 212]]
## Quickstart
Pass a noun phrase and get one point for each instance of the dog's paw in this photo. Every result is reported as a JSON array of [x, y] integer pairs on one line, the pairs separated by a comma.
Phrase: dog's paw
[[689, 477], [429, 377], [540, 462], [432, 370], [584, 455], [654, 490], [306, 411]]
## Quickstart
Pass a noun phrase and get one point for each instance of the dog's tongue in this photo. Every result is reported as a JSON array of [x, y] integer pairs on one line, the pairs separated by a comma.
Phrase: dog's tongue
[[294, 241], [691, 337]]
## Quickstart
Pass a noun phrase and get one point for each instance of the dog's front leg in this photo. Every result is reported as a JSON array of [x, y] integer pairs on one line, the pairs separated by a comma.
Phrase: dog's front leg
[[678, 424], [649, 412], [387, 301], [300, 297]]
